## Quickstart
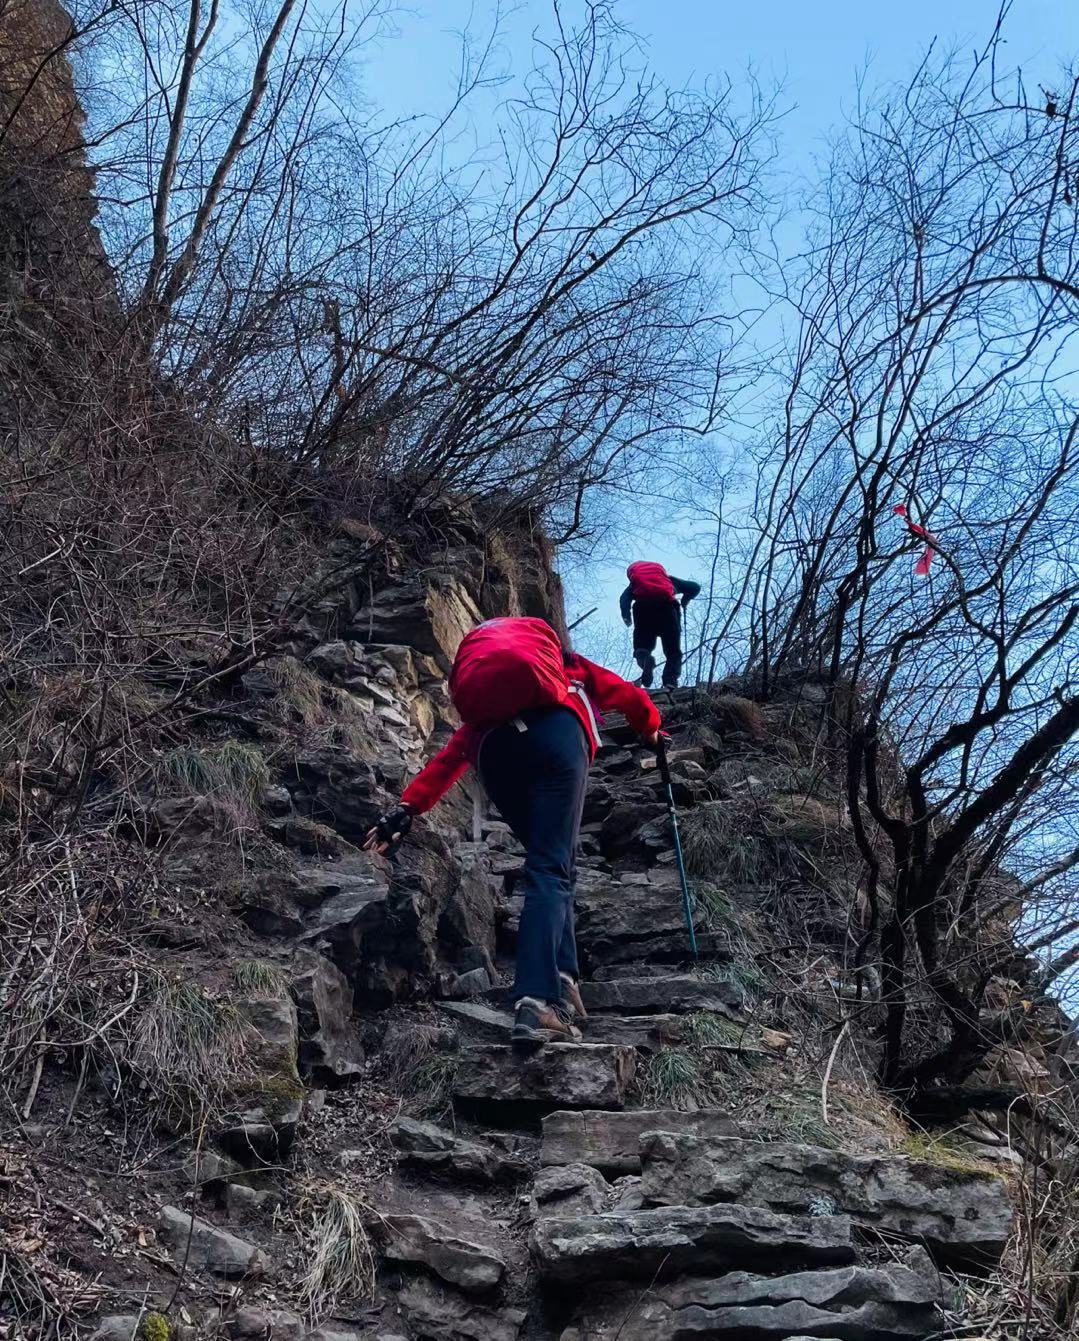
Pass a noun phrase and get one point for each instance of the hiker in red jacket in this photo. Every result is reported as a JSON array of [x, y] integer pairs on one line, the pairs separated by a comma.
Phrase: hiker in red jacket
[[653, 597], [530, 732]]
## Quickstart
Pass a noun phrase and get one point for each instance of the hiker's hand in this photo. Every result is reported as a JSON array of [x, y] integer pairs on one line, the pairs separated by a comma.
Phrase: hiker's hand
[[628, 622], [385, 836], [651, 741]]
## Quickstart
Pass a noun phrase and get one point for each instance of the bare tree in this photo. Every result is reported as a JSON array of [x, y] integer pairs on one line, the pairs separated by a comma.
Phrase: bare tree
[[918, 545]]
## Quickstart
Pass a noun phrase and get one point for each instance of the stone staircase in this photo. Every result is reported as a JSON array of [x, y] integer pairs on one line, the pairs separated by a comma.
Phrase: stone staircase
[[571, 1212]]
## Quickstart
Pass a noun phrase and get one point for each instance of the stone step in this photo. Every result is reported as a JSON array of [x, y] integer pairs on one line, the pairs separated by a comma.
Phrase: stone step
[[425, 1146], [558, 1075], [620, 923], [471, 1266], [610, 1142], [668, 1241], [963, 1218], [676, 994], [893, 1302]]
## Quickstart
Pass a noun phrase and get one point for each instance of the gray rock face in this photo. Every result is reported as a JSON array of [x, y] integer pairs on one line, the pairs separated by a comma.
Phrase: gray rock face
[[570, 1189], [958, 1216], [212, 1249], [438, 1314], [611, 1141], [889, 1303], [593, 1075], [662, 995], [415, 1238], [573, 1250], [330, 1050], [422, 1145], [431, 615]]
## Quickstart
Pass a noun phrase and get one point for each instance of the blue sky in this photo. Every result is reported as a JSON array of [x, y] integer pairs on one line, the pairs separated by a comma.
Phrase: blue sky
[[816, 53]]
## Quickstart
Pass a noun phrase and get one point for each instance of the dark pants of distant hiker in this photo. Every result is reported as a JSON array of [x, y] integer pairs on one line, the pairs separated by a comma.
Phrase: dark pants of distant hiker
[[662, 620], [537, 779]]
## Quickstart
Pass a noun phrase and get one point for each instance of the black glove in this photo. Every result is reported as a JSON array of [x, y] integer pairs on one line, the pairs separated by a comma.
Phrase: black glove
[[628, 622], [392, 827]]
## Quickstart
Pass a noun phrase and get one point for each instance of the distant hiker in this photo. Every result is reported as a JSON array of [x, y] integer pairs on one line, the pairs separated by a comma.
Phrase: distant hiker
[[530, 732], [652, 596]]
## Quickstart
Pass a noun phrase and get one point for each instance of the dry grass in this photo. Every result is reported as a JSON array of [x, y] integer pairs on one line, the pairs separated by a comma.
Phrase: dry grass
[[326, 712], [418, 1065], [232, 772], [188, 1049], [722, 847], [339, 1255], [675, 1078], [731, 714], [258, 977]]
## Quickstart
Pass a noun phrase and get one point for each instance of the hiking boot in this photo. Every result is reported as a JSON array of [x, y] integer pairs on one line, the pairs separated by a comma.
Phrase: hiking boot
[[541, 1022], [571, 997]]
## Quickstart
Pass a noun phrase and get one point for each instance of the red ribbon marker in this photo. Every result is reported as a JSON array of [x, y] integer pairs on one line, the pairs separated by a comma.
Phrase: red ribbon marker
[[921, 568]]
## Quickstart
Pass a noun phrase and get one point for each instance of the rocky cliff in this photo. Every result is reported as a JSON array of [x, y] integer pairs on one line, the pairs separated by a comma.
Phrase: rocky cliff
[[306, 1120]]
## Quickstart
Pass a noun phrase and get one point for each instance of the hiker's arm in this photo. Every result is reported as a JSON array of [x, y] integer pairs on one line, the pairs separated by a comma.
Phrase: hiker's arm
[[438, 775], [613, 694], [625, 604], [686, 589]]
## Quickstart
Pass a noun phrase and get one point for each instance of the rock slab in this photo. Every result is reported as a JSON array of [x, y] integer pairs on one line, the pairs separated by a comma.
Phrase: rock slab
[[590, 1075], [611, 1141], [663, 995], [437, 1314], [960, 1217], [423, 1145], [669, 1240], [853, 1303], [211, 1249], [415, 1238]]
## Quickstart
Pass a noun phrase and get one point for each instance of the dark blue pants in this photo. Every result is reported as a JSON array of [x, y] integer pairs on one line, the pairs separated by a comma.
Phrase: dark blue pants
[[537, 779]]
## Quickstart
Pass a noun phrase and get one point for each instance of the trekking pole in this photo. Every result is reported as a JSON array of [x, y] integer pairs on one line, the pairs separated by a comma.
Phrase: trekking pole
[[687, 903]]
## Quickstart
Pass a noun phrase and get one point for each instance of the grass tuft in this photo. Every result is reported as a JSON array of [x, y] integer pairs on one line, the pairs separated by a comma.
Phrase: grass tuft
[[258, 977], [340, 1258], [233, 771], [673, 1079], [188, 1048]]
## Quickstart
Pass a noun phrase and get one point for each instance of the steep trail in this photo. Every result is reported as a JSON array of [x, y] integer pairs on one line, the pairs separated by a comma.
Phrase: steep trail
[[379, 1162]]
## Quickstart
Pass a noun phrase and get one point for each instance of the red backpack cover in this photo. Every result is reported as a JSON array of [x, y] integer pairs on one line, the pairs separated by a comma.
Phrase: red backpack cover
[[505, 667], [649, 582]]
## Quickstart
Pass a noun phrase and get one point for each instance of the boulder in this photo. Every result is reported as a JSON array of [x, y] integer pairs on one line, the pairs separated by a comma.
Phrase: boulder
[[422, 1145], [330, 1051], [117, 1327], [611, 1141], [569, 1189], [436, 1313], [272, 1032], [669, 1241], [589, 1075], [677, 994], [211, 1249], [893, 1302], [961, 1217], [431, 1243], [258, 1324]]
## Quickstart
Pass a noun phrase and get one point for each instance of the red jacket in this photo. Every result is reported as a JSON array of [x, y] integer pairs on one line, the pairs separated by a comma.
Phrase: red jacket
[[608, 691]]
